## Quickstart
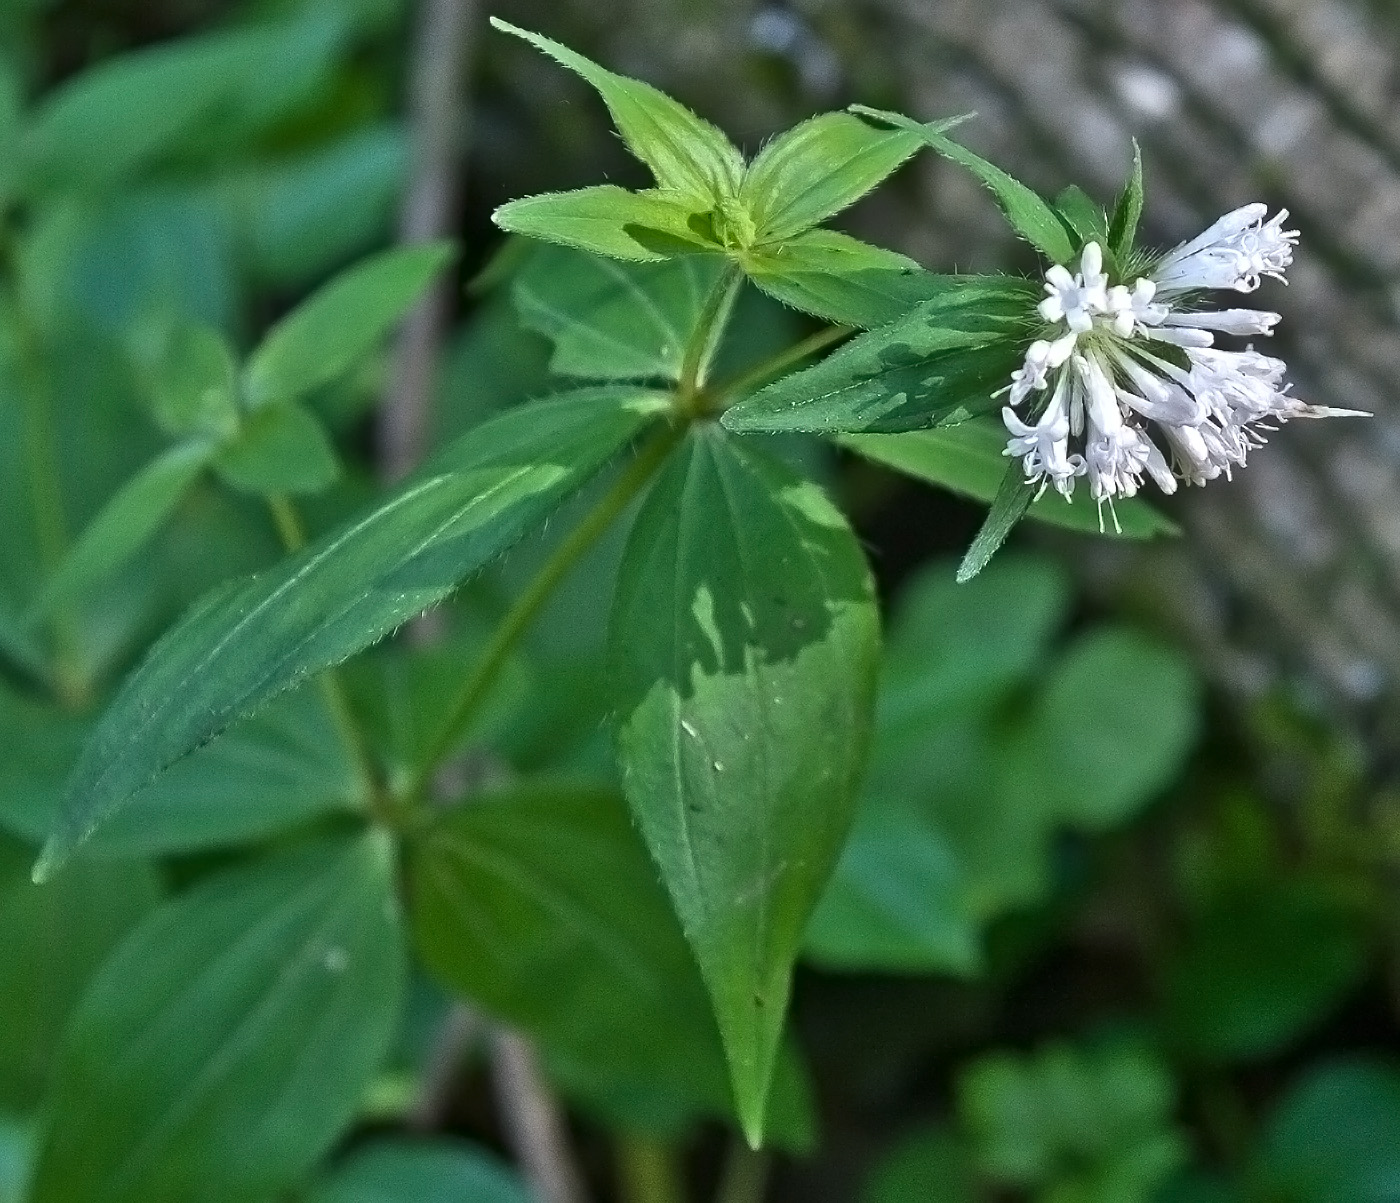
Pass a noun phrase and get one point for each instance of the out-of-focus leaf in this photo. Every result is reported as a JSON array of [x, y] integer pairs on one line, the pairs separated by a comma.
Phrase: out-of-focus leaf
[[341, 323], [744, 642], [253, 639], [930, 1167], [227, 1043], [16, 1159], [280, 449], [606, 220], [398, 1170], [967, 459], [194, 382], [611, 320], [686, 154], [55, 939]]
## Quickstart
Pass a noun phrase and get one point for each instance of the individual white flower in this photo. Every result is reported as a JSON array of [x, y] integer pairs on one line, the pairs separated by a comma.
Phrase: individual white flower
[[1137, 387]]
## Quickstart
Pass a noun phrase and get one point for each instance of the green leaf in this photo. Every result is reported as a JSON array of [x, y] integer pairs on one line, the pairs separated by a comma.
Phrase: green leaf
[[55, 939], [744, 718], [1029, 215], [1122, 236], [403, 1170], [687, 155], [280, 449], [614, 321], [818, 168], [841, 279], [194, 383], [645, 227], [1013, 498], [125, 525], [967, 459], [254, 639], [931, 1167], [1335, 1138], [228, 1043], [341, 324], [1087, 219], [940, 364], [541, 904]]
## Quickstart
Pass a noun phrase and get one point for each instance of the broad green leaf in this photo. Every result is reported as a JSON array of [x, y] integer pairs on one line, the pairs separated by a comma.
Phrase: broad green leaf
[[254, 639], [930, 1167], [1127, 214], [610, 320], [280, 449], [834, 276], [646, 227], [125, 524], [1013, 498], [818, 168], [1078, 210], [541, 904], [1029, 215], [1335, 1138], [687, 155], [403, 1170], [282, 768], [55, 939], [228, 1042], [940, 364], [967, 459], [193, 383], [341, 323], [182, 99], [744, 643], [1261, 966]]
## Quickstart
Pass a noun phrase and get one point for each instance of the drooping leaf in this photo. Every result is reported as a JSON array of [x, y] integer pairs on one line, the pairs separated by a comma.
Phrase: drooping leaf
[[818, 168], [1013, 498], [341, 323], [939, 364], [400, 1170], [280, 449], [541, 904], [125, 524], [686, 154], [254, 639], [967, 459], [228, 1042], [1127, 214], [743, 640], [55, 939], [834, 276], [645, 227], [610, 320], [1030, 216]]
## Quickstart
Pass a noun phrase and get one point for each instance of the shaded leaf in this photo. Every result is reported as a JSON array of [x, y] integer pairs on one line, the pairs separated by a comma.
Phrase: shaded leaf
[[194, 383], [1013, 498], [606, 220], [932, 1167], [401, 1170], [1079, 211], [1122, 237], [280, 449]]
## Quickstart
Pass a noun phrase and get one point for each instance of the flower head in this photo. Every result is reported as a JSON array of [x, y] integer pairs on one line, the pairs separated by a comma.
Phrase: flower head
[[1126, 382]]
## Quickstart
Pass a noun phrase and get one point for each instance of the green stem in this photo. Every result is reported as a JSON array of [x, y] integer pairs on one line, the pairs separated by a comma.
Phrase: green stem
[[292, 532], [775, 366], [745, 1176], [705, 339], [647, 1171], [517, 621]]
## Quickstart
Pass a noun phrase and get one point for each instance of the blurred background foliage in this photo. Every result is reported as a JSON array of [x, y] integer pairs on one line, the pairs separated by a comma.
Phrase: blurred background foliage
[[1118, 918]]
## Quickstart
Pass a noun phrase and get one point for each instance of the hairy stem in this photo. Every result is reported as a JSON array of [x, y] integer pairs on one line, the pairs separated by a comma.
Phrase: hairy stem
[[705, 340]]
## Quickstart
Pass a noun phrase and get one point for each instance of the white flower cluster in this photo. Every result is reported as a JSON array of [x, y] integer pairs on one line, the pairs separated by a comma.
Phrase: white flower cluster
[[1121, 405]]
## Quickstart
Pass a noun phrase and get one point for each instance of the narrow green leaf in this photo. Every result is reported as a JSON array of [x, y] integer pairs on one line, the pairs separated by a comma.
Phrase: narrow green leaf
[[1078, 210], [1029, 215], [1013, 499], [967, 459], [402, 1170], [642, 226], [228, 1042], [124, 525], [193, 383], [341, 323], [818, 168], [1127, 214], [834, 276], [744, 716], [610, 320], [686, 154], [941, 363], [280, 449], [541, 904], [254, 639]]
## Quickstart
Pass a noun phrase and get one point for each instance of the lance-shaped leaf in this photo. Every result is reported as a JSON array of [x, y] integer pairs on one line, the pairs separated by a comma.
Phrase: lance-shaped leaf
[[1127, 214], [834, 276], [744, 642], [645, 227], [338, 325], [253, 639], [818, 168], [229, 1040], [1030, 216], [686, 154], [940, 364], [1013, 499]]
